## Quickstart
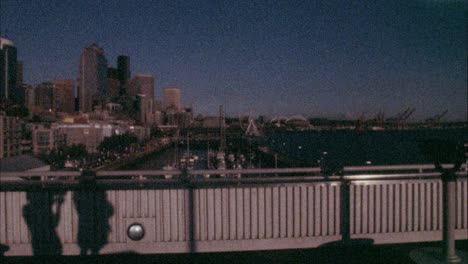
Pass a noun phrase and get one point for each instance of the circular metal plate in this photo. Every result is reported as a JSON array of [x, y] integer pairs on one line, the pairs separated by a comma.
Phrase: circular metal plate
[[136, 232]]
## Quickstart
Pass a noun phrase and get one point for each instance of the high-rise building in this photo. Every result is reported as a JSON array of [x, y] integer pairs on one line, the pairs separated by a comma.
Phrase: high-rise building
[[92, 86], [29, 97], [146, 109], [123, 68], [63, 96], [113, 83], [10, 136], [43, 97], [19, 74], [141, 84], [8, 72], [171, 99], [113, 73]]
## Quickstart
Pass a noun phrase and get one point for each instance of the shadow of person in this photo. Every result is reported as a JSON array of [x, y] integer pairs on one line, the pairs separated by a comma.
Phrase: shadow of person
[[94, 212], [3, 249], [42, 215]]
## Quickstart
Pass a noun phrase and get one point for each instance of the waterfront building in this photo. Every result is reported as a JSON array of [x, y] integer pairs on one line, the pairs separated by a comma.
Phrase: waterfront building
[[8, 73], [45, 138], [10, 136], [171, 100], [63, 96], [92, 86], [90, 135]]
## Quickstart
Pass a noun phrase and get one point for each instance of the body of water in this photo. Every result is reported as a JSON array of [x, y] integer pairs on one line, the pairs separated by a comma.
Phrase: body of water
[[354, 148], [341, 148]]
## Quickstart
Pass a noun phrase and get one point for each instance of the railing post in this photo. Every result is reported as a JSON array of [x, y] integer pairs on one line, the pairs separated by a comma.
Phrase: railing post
[[441, 152], [345, 211], [88, 177], [191, 209], [449, 193]]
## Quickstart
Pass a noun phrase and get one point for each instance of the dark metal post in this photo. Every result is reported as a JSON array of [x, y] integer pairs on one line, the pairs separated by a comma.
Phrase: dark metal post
[[440, 152]]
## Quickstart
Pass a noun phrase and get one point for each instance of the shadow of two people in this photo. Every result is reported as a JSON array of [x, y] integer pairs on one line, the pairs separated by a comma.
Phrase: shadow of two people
[[42, 216]]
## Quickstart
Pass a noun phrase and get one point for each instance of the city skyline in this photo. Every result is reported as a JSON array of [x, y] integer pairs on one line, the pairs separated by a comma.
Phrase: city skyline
[[326, 59]]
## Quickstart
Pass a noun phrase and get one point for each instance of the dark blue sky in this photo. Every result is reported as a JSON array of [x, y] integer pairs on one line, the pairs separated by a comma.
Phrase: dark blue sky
[[316, 58]]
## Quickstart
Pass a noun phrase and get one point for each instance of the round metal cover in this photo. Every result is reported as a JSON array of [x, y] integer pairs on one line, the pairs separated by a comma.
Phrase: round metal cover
[[136, 232]]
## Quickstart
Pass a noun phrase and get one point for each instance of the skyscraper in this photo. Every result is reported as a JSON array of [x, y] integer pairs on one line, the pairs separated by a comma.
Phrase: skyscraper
[[171, 99], [141, 84], [19, 74], [63, 96], [113, 83], [44, 99], [10, 136], [123, 68], [92, 87], [8, 72], [29, 98]]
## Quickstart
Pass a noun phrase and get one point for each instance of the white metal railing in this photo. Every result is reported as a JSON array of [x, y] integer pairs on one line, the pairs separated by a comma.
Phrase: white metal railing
[[298, 209]]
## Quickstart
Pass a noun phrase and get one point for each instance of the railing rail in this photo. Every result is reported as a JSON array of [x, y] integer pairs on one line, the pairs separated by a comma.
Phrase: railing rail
[[234, 175]]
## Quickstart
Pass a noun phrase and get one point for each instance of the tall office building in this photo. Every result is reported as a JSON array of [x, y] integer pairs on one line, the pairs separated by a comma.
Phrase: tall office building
[[92, 86], [142, 84], [113, 83], [10, 136], [19, 74], [123, 68], [29, 97], [171, 99], [63, 96], [8, 73], [43, 97]]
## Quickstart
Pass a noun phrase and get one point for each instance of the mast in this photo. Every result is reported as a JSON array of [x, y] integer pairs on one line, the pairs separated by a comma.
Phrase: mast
[[222, 130]]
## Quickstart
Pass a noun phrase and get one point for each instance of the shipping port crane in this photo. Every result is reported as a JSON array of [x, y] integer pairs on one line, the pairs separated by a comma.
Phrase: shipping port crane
[[378, 120], [400, 118], [436, 119]]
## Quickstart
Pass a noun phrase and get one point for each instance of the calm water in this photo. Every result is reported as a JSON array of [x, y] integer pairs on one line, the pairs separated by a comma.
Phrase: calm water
[[344, 148], [358, 148], [170, 157]]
